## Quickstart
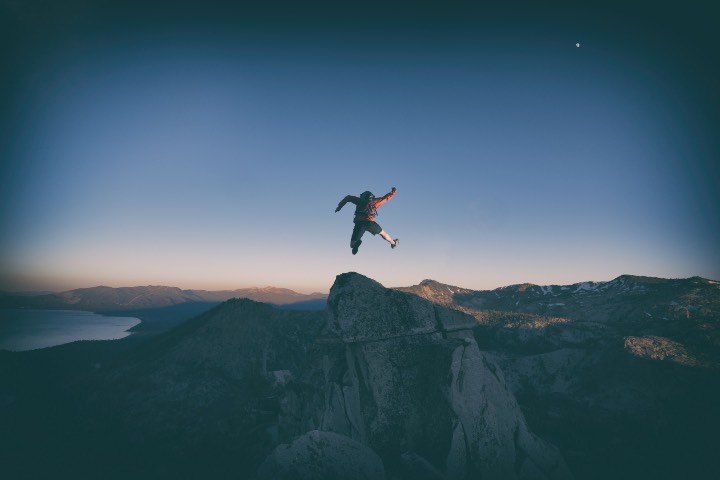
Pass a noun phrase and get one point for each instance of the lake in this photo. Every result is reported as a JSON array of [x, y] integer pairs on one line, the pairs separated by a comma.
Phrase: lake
[[22, 329]]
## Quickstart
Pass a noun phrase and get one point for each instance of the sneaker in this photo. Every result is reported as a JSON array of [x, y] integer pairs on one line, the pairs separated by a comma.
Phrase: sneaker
[[397, 242], [356, 246]]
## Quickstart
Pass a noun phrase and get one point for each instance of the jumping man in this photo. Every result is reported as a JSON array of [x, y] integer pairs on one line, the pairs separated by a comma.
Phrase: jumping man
[[365, 212]]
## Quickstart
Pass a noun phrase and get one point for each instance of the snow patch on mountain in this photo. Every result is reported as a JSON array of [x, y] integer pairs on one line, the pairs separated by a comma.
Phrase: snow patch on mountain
[[587, 287]]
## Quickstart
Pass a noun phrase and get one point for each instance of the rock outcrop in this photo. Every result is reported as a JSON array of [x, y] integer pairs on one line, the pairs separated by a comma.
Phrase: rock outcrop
[[406, 378], [322, 455]]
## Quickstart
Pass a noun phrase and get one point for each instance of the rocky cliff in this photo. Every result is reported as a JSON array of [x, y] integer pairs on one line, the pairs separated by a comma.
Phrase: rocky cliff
[[406, 378]]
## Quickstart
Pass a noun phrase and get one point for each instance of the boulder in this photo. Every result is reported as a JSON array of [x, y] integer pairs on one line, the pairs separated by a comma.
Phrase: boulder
[[320, 455]]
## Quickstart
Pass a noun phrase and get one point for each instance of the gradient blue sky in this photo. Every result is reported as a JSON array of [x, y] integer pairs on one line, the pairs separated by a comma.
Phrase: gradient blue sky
[[207, 147]]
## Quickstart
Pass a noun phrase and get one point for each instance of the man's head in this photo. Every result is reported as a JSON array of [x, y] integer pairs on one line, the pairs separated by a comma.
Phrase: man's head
[[367, 196]]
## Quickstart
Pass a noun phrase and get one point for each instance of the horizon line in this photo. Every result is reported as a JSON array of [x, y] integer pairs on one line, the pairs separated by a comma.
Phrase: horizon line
[[41, 291]]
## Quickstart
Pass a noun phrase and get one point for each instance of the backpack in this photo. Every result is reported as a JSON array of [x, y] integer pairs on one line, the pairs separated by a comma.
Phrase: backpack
[[365, 207]]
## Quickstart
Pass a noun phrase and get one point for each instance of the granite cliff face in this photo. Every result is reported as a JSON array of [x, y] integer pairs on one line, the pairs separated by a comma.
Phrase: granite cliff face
[[406, 378]]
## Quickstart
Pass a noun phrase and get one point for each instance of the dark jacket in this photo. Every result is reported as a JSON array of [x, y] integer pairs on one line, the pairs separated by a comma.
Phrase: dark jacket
[[362, 214]]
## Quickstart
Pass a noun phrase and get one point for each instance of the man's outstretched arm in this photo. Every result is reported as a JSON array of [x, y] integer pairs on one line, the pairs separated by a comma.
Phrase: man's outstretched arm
[[386, 197], [348, 198]]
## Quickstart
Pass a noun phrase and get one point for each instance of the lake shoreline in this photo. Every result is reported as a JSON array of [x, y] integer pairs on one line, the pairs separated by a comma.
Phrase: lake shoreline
[[23, 329]]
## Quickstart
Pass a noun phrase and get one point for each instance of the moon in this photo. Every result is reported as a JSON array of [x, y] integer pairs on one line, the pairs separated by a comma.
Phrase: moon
[[577, 45]]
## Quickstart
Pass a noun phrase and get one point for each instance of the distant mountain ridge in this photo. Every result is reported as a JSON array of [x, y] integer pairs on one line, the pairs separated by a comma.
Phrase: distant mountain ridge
[[151, 296], [654, 294], [640, 310]]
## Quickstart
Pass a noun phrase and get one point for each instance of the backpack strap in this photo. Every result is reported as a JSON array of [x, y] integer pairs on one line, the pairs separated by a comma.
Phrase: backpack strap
[[368, 210]]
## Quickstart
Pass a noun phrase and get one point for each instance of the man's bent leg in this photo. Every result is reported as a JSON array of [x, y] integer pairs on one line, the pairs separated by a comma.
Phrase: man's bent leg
[[357, 233], [387, 237], [355, 241]]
